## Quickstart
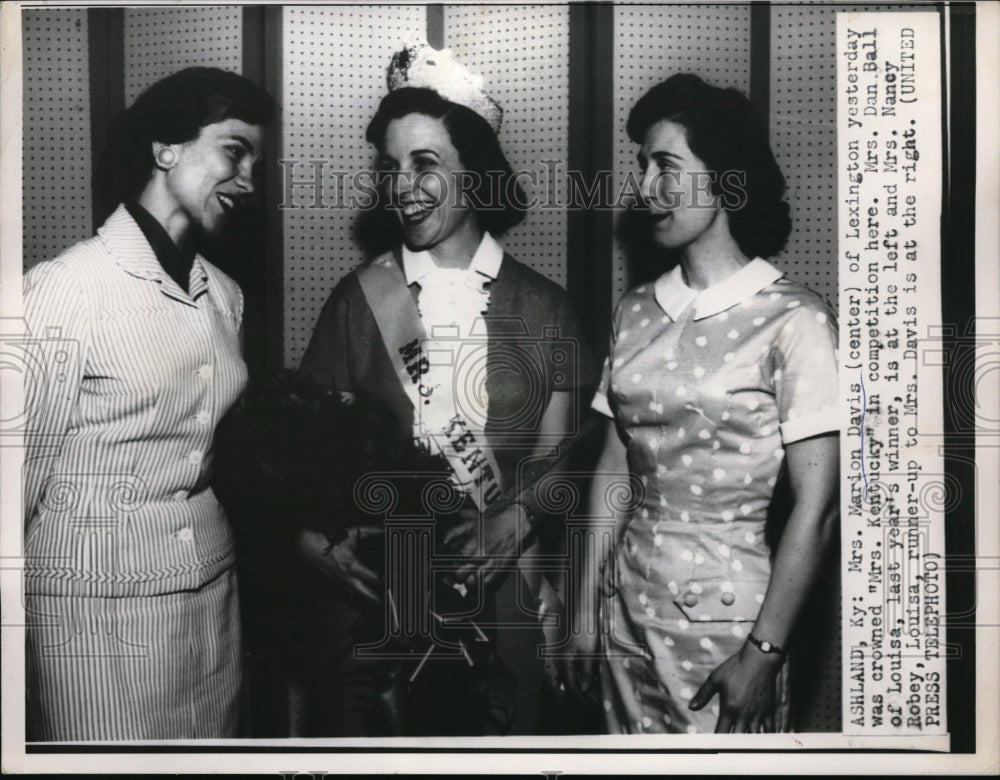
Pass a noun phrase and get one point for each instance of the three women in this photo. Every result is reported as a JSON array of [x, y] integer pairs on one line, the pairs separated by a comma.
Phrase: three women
[[720, 372]]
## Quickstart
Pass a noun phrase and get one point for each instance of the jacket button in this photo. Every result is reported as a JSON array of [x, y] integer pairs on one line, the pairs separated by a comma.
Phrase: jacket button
[[728, 599], [185, 535], [690, 599], [180, 495]]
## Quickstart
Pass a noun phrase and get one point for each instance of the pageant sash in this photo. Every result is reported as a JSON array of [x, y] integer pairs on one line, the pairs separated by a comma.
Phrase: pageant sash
[[466, 450]]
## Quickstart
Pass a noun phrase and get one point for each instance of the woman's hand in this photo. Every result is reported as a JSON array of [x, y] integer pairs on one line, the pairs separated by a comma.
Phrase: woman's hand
[[578, 662], [340, 561], [494, 541], [745, 684]]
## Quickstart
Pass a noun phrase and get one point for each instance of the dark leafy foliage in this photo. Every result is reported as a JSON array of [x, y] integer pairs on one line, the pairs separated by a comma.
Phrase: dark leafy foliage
[[292, 455]]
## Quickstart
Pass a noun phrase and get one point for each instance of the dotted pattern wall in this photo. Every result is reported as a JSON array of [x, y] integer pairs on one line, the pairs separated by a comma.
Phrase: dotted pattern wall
[[160, 41], [522, 51], [803, 123], [57, 151], [804, 134], [654, 42], [334, 61], [804, 138]]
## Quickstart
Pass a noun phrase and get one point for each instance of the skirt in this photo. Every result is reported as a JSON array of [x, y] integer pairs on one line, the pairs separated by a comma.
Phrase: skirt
[[134, 668]]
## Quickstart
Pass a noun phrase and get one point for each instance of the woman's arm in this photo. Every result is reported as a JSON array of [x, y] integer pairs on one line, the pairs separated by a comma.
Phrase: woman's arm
[[556, 423], [340, 561], [59, 320], [505, 534], [592, 553], [327, 361], [745, 682]]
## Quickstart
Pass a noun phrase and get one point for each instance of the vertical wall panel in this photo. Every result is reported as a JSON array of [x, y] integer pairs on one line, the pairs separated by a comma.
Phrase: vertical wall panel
[[804, 134], [159, 41], [654, 42], [523, 53], [804, 138], [803, 125], [335, 61], [57, 148]]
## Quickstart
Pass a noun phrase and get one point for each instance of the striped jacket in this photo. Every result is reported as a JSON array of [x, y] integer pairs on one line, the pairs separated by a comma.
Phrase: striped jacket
[[127, 377]]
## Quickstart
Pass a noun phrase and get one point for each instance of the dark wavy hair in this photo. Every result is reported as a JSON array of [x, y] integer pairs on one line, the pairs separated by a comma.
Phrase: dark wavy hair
[[173, 110], [499, 202], [726, 133]]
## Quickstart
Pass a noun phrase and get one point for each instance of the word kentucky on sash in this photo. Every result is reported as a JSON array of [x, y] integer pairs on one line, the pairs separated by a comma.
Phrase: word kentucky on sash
[[470, 462]]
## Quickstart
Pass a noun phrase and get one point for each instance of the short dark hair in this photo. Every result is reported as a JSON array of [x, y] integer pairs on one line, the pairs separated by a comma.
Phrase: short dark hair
[[499, 202], [173, 110], [726, 133]]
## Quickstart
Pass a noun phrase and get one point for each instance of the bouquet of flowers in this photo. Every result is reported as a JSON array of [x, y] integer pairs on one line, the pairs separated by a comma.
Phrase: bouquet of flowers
[[291, 456], [292, 451]]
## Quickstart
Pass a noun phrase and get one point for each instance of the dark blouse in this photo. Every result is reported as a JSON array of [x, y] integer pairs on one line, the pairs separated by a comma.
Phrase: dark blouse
[[176, 261]]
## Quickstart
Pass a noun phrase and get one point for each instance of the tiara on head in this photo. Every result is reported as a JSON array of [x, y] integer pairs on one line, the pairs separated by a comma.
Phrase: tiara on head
[[420, 65]]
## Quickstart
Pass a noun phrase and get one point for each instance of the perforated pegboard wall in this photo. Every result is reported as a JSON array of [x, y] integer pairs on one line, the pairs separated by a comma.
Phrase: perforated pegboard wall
[[523, 53], [804, 134], [804, 139], [803, 126], [160, 41], [654, 42], [334, 62], [57, 149]]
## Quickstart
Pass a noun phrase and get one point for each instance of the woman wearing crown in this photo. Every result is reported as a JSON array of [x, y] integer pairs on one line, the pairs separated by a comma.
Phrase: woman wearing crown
[[473, 354]]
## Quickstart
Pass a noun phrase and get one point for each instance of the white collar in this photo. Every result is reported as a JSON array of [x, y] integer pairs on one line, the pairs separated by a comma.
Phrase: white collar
[[486, 260], [673, 295]]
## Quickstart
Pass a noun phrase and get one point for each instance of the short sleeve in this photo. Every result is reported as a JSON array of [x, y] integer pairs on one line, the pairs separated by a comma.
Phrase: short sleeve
[[804, 364], [601, 404], [327, 358], [55, 347]]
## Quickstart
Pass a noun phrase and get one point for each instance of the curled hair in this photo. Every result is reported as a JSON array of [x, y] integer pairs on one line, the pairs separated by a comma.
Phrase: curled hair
[[725, 132], [498, 201], [171, 111]]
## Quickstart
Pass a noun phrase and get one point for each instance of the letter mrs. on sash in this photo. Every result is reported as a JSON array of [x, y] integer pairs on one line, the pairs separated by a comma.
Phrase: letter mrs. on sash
[[416, 364]]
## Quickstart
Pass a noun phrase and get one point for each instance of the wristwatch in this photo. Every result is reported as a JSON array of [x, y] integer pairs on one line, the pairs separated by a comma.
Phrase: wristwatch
[[766, 647]]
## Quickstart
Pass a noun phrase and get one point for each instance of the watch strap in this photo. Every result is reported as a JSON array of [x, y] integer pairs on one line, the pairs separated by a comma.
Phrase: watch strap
[[766, 647]]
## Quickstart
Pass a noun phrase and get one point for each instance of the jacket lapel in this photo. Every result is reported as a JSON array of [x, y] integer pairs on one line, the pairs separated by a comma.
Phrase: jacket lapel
[[133, 254]]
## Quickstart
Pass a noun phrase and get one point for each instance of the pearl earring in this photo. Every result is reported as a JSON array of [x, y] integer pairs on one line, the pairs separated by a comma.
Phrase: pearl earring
[[166, 158]]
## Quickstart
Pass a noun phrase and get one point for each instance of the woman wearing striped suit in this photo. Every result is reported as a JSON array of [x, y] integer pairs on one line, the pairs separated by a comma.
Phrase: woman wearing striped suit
[[133, 626]]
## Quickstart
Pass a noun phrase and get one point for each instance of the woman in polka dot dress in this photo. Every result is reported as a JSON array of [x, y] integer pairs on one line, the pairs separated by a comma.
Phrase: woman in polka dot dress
[[719, 372]]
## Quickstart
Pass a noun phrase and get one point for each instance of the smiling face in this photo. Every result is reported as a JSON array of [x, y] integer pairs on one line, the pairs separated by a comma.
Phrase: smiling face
[[212, 176], [676, 189], [425, 193]]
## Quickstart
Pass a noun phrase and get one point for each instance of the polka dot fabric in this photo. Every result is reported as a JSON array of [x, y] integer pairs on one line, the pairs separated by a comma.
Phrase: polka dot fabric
[[708, 387]]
